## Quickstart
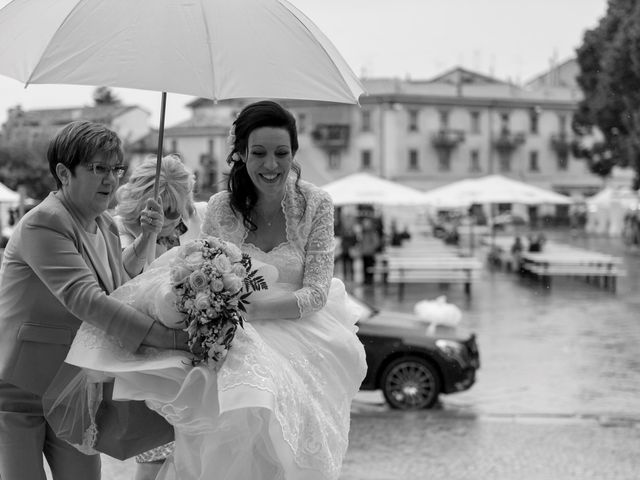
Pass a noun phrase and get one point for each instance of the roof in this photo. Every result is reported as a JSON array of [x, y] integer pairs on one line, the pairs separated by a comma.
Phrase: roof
[[458, 75], [98, 113], [562, 74]]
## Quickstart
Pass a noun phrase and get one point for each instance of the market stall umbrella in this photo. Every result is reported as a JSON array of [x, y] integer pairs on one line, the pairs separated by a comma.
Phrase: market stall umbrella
[[367, 189], [492, 189], [7, 195], [217, 49]]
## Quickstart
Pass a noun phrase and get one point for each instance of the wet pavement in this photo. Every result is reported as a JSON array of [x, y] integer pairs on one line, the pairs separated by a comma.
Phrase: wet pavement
[[572, 349], [557, 395]]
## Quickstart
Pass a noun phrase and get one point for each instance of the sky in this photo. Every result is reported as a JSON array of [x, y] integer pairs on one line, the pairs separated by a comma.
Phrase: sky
[[509, 39]]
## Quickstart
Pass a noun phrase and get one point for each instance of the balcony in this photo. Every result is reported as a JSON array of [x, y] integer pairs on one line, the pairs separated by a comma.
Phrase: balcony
[[447, 139], [331, 136], [508, 141]]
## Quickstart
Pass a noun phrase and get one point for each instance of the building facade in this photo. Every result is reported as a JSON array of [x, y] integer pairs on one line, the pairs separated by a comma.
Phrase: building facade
[[32, 126], [423, 134]]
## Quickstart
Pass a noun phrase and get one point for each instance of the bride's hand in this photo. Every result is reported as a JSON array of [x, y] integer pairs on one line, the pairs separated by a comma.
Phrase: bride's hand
[[163, 337]]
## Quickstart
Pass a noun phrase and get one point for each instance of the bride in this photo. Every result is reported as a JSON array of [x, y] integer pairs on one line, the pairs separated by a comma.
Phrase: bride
[[279, 405]]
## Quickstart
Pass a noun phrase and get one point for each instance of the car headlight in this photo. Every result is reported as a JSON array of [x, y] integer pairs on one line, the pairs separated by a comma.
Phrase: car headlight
[[452, 349]]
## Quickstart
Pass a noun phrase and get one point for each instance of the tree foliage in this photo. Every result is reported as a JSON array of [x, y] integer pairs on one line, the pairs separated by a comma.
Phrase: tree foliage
[[26, 165], [105, 96], [609, 60]]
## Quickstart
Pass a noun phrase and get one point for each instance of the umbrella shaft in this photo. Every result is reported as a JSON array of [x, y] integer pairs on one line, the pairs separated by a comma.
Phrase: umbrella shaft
[[163, 104]]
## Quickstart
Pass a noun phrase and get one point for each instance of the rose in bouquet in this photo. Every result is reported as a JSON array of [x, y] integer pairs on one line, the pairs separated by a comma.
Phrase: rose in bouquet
[[212, 280]]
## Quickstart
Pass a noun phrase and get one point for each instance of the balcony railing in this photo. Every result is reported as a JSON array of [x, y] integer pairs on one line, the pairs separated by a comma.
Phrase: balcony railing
[[331, 136], [447, 139], [507, 141]]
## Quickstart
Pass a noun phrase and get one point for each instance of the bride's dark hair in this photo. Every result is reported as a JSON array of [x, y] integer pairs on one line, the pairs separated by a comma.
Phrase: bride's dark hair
[[265, 113]]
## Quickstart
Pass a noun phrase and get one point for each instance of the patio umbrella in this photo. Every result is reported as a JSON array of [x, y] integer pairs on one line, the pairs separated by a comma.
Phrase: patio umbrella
[[492, 189], [364, 188], [217, 49]]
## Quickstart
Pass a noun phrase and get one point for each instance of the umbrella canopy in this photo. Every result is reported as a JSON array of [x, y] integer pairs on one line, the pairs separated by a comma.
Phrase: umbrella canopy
[[492, 189], [608, 196], [363, 188], [217, 49], [7, 195]]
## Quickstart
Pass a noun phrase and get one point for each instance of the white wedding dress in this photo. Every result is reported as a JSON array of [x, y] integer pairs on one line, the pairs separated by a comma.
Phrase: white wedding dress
[[279, 406]]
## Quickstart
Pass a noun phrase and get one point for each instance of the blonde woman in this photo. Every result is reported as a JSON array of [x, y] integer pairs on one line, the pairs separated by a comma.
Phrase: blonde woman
[[181, 223]]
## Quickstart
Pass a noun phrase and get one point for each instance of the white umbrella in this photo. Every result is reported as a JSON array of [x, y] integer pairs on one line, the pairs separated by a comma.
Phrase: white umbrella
[[363, 188], [492, 189], [217, 49], [7, 195]]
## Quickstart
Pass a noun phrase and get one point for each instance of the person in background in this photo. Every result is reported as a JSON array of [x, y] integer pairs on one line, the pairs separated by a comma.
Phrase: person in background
[[181, 223], [60, 264], [348, 243], [370, 243], [516, 254]]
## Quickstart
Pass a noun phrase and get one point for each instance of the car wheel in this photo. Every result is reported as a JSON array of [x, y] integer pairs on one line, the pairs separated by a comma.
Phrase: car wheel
[[410, 383]]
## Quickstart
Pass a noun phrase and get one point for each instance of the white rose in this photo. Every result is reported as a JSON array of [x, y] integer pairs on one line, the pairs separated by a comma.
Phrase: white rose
[[194, 259], [232, 283], [217, 285], [238, 270], [202, 301], [222, 264], [234, 253]]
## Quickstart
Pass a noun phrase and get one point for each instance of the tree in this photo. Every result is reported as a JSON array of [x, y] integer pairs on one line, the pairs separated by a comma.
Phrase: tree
[[22, 165], [609, 60], [105, 96]]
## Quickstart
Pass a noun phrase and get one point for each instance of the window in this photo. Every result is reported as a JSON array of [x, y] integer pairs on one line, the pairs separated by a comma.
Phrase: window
[[210, 144], [366, 121], [413, 120], [504, 121], [475, 161], [533, 161], [174, 146], [413, 160], [444, 119], [533, 120], [334, 160], [365, 160], [475, 122]]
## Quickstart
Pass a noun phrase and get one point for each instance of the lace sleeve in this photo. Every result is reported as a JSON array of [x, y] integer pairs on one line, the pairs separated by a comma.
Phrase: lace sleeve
[[318, 265]]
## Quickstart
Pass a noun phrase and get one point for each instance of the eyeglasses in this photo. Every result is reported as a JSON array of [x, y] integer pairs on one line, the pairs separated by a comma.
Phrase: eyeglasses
[[102, 170], [171, 214]]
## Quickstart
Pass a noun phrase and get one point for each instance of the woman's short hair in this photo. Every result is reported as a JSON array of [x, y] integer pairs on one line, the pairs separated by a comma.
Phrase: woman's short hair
[[176, 183], [256, 115], [79, 142]]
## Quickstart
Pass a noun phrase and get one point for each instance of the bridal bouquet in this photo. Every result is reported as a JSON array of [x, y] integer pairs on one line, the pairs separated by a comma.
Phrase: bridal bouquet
[[212, 280]]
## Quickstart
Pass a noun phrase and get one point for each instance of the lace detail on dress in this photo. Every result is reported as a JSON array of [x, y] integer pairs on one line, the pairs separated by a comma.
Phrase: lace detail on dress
[[306, 258], [308, 423]]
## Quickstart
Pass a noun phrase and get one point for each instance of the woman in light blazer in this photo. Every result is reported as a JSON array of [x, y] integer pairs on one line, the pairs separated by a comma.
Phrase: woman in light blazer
[[61, 263]]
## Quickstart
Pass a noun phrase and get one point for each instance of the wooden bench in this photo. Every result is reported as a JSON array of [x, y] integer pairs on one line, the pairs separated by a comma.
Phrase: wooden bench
[[443, 270], [569, 262]]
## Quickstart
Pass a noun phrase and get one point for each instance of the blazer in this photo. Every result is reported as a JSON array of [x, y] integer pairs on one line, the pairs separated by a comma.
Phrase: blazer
[[51, 280]]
